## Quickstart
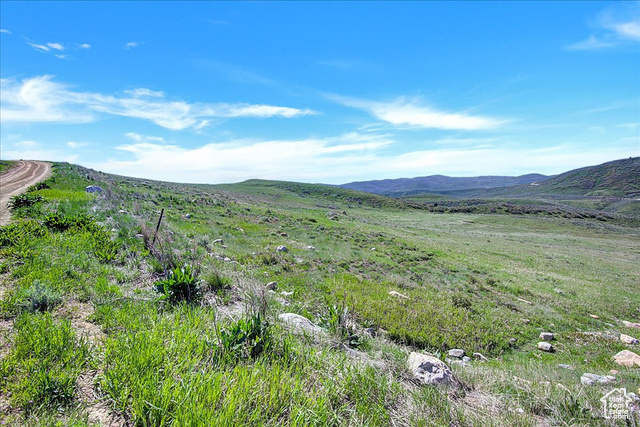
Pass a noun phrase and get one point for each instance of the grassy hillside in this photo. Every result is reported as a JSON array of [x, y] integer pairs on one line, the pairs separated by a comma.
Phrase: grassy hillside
[[104, 325], [437, 183]]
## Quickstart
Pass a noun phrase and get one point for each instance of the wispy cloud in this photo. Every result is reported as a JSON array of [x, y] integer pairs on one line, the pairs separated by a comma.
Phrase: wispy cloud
[[85, 46], [131, 45], [40, 47], [40, 99], [56, 46], [2, 30], [407, 112], [613, 28], [75, 145]]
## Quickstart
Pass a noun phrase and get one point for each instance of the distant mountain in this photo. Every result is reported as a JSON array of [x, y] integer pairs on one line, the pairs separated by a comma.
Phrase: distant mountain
[[440, 183], [620, 178]]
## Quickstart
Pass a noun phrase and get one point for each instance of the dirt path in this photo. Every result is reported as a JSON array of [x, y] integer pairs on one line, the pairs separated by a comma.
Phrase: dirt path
[[17, 180]]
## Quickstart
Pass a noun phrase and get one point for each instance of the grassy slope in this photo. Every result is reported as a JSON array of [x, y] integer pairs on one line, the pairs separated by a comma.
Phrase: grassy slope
[[5, 165], [470, 279]]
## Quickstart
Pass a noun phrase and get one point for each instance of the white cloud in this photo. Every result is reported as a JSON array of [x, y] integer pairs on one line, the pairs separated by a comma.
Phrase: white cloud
[[25, 144], [612, 31], [408, 112], [2, 30], [628, 30], [56, 46], [592, 43], [144, 138], [39, 47], [75, 145], [85, 46], [40, 99], [131, 45], [142, 92], [349, 157]]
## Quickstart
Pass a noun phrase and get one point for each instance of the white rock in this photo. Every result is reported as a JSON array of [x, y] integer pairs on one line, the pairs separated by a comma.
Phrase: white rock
[[282, 248], [627, 358], [311, 248], [591, 379], [631, 324], [300, 323], [480, 356], [286, 294], [398, 294], [220, 241], [429, 369], [457, 353], [628, 339], [546, 336], [545, 346]]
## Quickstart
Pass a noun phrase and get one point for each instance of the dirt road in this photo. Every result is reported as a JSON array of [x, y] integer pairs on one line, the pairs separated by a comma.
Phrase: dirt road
[[17, 180]]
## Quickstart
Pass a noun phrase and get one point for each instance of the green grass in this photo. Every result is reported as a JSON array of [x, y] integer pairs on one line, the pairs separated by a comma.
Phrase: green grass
[[5, 165], [77, 279]]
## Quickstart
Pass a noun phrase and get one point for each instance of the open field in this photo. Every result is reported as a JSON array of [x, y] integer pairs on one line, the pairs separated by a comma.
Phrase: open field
[[85, 339]]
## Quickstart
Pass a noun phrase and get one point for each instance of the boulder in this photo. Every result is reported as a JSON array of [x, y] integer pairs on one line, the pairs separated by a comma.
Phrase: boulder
[[631, 324], [300, 323], [545, 346], [429, 369], [627, 358], [546, 336], [591, 379], [457, 353], [628, 339]]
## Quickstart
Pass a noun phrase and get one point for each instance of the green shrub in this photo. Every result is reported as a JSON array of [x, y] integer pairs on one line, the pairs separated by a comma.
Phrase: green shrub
[[215, 281], [41, 297], [42, 185], [20, 232], [246, 338], [61, 222], [24, 201], [180, 285]]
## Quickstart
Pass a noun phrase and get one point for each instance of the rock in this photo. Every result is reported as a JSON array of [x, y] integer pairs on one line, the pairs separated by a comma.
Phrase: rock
[[282, 248], [526, 321], [558, 291], [563, 366], [627, 358], [300, 323], [226, 259], [286, 294], [466, 359], [271, 286], [591, 379], [398, 294], [139, 236], [311, 248], [122, 211], [545, 346], [480, 356], [593, 316], [546, 336], [218, 241], [631, 324], [525, 301], [614, 372], [512, 341], [188, 216], [628, 340], [429, 369], [284, 234], [457, 353]]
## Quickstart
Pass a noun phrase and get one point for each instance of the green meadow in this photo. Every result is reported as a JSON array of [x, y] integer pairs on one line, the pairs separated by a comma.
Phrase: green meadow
[[106, 322]]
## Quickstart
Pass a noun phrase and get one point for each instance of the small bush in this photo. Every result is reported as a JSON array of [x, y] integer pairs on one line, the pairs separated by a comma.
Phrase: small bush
[[41, 297], [24, 201], [214, 281], [180, 285], [246, 338], [43, 185], [60, 222]]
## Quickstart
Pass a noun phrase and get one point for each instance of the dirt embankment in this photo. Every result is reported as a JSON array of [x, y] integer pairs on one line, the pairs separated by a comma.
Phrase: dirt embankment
[[17, 180]]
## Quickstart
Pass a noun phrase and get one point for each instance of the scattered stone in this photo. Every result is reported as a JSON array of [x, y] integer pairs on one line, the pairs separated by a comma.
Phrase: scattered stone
[[512, 341], [284, 234], [627, 358], [311, 248], [373, 249], [226, 259], [547, 336], [526, 321], [139, 236], [122, 211], [558, 291], [593, 316], [285, 293], [631, 324], [564, 366], [429, 369], [466, 359], [218, 241], [188, 216], [93, 189], [525, 301], [628, 340], [398, 294], [271, 286], [545, 346], [591, 379], [114, 230], [480, 356], [282, 248], [457, 353], [300, 323]]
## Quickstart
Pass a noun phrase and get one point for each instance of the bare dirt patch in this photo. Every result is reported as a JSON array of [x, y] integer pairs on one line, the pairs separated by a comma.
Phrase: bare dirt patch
[[17, 180], [97, 409]]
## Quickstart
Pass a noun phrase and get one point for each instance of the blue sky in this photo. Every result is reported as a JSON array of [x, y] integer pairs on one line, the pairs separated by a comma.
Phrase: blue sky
[[320, 91]]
